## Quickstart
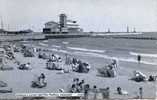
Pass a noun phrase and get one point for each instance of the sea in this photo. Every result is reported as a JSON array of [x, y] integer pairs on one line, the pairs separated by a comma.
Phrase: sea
[[120, 49]]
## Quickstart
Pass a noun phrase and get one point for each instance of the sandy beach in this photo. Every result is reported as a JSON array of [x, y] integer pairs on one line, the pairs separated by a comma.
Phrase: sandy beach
[[20, 80]]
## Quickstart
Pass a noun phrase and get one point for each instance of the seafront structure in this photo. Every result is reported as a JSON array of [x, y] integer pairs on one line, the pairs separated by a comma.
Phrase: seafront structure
[[63, 26], [3, 31]]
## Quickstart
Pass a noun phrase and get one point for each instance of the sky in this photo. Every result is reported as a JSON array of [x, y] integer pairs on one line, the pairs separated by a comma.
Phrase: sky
[[91, 15]]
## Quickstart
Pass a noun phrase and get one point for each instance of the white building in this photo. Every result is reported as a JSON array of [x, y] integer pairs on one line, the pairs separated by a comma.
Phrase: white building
[[51, 26], [64, 26]]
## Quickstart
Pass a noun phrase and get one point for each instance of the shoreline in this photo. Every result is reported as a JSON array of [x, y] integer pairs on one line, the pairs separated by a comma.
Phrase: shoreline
[[113, 35]]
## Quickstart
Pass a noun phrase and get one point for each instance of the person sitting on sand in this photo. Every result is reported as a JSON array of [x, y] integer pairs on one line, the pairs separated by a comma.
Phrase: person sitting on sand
[[61, 90], [81, 84], [24, 66], [139, 76], [42, 78], [77, 81], [53, 58], [27, 65], [36, 82], [86, 67], [74, 67], [59, 59], [74, 61], [80, 68], [121, 92], [114, 63], [73, 88], [39, 81], [152, 78]]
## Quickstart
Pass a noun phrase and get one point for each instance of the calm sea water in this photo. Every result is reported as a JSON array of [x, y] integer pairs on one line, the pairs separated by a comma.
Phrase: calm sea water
[[122, 49]]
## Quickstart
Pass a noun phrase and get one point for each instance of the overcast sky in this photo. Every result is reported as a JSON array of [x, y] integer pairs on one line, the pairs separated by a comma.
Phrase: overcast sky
[[92, 15]]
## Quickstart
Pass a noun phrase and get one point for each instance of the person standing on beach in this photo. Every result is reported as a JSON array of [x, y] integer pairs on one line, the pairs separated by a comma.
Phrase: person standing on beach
[[95, 90], [106, 93], [141, 92], [139, 58], [86, 91]]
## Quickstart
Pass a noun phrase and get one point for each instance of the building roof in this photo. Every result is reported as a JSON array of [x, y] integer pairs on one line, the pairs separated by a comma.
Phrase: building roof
[[51, 22]]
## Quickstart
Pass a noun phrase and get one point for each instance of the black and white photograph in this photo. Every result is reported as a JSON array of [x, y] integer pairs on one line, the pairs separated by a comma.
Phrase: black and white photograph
[[78, 49]]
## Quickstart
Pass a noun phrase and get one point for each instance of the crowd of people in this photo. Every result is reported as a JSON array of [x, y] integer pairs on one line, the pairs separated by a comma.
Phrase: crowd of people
[[80, 86], [54, 63], [77, 86]]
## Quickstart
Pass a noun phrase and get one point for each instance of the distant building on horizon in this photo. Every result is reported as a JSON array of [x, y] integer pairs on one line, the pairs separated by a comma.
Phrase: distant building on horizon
[[3, 31], [63, 26], [127, 29]]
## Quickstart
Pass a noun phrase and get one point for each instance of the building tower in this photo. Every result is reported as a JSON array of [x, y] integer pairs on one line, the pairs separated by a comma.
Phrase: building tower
[[63, 22]]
